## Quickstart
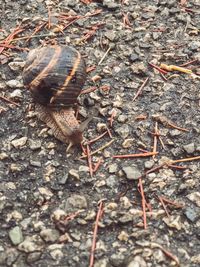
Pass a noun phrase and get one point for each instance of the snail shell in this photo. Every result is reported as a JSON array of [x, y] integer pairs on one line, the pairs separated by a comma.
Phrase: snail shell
[[55, 76]]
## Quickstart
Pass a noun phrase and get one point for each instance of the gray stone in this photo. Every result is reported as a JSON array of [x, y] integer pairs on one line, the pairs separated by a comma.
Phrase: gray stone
[[111, 5], [175, 132], [138, 261], [16, 65], [123, 131], [110, 35], [50, 235], [112, 168], [195, 198], [134, 57], [35, 163], [192, 214], [11, 256], [34, 144], [29, 246], [75, 202], [101, 263], [83, 169], [139, 68], [132, 172], [17, 143], [74, 174], [63, 179], [16, 235], [56, 254], [117, 260], [14, 84], [197, 148], [189, 148], [126, 218], [34, 256], [16, 94], [122, 118], [112, 181], [149, 164]]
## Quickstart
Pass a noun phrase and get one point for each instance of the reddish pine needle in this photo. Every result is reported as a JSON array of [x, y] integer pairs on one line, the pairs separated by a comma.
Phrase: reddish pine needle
[[97, 165], [155, 138], [164, 206], [49, 17], [140, 89], [98, 217], [113, 114], [109, 132], [189, 63], [10, 37], [88, 90], [126, 21], [146, 154], [184, 160], [90, 68], [143, 203], [163, 76], [157, 68], [97, 138], [170, 255], [177, 167], [89, 161], [83, 149], [86, 2], [9, 101], [171, 202], [183, 2], [14, 47], [37, 29]]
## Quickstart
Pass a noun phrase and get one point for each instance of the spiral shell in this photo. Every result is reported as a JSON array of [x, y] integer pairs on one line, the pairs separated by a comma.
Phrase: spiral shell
[[55, 75]]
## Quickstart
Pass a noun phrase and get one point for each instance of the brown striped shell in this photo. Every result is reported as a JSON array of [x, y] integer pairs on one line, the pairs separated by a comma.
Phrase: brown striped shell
[[55, 75]]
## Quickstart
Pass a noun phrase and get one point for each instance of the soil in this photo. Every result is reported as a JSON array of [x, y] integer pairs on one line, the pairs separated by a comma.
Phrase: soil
[[48, 198]]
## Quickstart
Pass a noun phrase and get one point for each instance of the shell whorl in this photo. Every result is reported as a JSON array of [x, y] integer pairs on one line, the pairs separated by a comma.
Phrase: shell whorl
[[55, 75]]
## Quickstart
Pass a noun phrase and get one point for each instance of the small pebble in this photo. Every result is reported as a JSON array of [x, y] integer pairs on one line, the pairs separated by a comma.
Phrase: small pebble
[[14, 84], [195, 198], [18, 143], [113, 168], [132, 172], [16, 235], [50, 235], [75, 202], [189, 148]]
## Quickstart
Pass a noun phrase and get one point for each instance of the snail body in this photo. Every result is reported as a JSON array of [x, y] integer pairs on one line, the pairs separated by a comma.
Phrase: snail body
[[55, 76]]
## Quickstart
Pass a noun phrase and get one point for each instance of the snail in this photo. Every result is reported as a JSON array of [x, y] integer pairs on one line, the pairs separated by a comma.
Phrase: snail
[[55, 76]]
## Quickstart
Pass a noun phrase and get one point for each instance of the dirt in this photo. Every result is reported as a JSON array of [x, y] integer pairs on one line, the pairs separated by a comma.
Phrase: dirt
[[48, 199]]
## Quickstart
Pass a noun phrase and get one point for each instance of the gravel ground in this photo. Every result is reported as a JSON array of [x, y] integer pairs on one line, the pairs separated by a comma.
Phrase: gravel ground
[[48, 199]]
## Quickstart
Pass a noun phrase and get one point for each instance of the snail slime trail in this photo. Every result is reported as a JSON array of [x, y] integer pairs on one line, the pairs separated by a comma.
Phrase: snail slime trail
[[55, 76]]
